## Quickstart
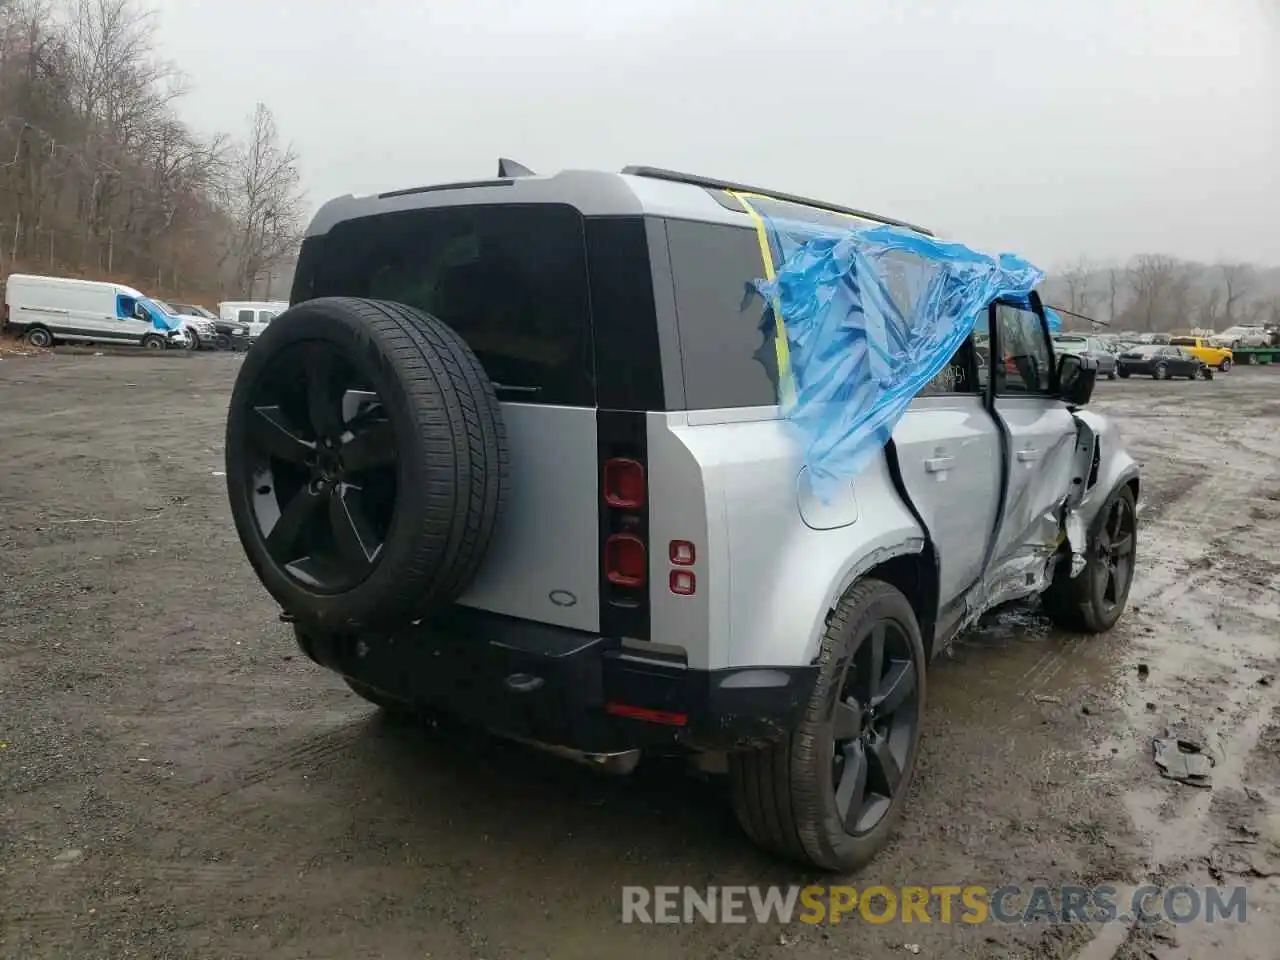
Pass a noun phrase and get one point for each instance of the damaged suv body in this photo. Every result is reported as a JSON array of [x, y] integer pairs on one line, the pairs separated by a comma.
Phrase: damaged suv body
[[516, 452]]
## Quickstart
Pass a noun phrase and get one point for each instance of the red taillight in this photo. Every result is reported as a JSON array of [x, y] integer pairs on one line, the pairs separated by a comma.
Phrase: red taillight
[[624, 483], [668, 717], [624, 560], [681, 553], [683, 583]]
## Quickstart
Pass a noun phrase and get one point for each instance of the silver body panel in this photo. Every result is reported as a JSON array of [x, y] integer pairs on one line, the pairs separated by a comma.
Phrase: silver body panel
[[772, 560], [543, 562]]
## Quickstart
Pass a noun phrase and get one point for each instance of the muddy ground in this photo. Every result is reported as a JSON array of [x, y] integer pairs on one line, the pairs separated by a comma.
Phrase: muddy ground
[[177, 781]]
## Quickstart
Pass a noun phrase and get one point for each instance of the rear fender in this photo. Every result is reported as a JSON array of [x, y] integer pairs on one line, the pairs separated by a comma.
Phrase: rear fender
[[784, 623]]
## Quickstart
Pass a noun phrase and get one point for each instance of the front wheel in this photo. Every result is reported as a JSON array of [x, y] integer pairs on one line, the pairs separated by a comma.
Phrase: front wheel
[[831, 793], [1124, 374], [1161, 372], [1092, 601], [222, 342]]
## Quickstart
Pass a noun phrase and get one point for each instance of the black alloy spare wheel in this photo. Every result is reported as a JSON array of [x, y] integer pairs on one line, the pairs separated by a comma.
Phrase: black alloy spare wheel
[[366, 462]]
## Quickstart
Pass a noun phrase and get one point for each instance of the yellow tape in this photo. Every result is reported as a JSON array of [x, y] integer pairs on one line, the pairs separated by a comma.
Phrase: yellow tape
[[782, 348]]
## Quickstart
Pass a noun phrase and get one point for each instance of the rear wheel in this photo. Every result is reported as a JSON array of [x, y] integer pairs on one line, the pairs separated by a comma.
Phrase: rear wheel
[[1224, 366], [1092, 601], [153, 341], [1124, 374], [831, 793], [366, 462], [39, 337], [1161, 372]]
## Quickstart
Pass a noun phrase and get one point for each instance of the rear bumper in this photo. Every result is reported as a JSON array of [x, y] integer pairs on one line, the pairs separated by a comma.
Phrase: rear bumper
[[568, 688]]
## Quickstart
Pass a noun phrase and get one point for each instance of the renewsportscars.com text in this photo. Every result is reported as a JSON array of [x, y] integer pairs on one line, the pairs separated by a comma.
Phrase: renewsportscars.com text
[[972, 904]]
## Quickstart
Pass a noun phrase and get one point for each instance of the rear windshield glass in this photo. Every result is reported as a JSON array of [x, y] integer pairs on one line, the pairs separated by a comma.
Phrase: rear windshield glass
[[511, 280], [1183, 341]]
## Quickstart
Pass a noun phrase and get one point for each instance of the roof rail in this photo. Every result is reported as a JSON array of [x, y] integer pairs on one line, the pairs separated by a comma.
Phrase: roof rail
[[711, 183]]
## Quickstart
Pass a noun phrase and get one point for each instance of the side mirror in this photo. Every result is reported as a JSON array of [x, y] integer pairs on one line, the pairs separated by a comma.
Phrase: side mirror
[[1076, 377]]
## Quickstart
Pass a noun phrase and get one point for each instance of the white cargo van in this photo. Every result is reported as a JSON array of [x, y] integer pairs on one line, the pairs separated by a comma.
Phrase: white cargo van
[[254, 314], [47, 309]]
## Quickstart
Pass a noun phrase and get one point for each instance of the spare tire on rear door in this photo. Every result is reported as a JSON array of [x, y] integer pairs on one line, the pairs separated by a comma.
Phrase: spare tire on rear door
[[366, 462]]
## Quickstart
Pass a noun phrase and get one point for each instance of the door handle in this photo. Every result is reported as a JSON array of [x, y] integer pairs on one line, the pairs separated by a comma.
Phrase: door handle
[[938, 464], [1028, 455]]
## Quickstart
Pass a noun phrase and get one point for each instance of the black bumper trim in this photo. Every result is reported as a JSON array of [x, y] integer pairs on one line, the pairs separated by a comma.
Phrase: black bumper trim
[[551, 684]]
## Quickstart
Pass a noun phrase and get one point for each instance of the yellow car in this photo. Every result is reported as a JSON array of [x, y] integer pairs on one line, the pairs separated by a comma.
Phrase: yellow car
[[1203, 350]]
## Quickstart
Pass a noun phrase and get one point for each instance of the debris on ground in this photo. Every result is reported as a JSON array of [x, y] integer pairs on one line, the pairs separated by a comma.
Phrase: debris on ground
[[1184, 761], [10, 347], [1236, 860], [1144, 671]]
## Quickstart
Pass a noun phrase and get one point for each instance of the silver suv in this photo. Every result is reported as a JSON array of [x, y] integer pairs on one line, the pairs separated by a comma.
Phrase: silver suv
[[515, 452]]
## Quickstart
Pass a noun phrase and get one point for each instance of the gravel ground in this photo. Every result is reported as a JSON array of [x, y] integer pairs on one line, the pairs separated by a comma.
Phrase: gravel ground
[[177, 781]]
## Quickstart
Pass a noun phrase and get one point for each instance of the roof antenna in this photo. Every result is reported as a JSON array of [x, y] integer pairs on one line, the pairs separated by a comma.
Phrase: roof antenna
[[509, 168]]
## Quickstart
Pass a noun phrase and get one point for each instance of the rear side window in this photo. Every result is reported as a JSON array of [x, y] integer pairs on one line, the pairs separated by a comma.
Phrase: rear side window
[[728, 352], [511, 280]]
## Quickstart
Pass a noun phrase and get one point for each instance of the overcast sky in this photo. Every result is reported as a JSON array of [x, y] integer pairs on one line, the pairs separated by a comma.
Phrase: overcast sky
[[1053, 129]]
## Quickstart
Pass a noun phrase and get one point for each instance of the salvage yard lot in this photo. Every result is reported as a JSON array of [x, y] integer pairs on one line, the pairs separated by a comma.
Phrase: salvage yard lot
[[176, 780]]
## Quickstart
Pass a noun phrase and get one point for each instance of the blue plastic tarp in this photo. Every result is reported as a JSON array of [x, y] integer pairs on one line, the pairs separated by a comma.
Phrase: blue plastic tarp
[[871, 316]]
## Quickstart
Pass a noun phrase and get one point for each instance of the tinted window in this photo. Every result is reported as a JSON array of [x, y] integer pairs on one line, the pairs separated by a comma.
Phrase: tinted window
[[1026, 365], [726, 340], [511, 280], [958, 376], [245, 316], [1183, 341]]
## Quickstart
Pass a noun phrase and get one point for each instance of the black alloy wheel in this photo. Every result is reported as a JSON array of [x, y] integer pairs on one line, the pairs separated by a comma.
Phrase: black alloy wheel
[[324, 467], [875, 726], [1114, 549]]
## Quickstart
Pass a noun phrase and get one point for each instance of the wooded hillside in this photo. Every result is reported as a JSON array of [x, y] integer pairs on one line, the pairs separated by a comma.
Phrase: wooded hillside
[[100, 178]]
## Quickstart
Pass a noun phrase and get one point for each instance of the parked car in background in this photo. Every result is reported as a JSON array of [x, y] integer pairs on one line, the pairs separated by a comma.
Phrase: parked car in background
[[1088, 347], [253, 315], [1161, 362], [1211, 355], [1161, 338], [1242, 335], [199, 330], [228, 334], [46, 310]]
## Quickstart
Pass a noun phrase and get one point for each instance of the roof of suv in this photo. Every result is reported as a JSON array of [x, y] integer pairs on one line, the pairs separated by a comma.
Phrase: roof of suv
[[637, 190]]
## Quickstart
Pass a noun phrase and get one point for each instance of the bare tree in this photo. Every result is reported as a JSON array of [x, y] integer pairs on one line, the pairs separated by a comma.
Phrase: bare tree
[[1113, 292], [267, 203], [1149, 276], [1237, 281], [1078, 282], [100, 177], [1209, 309]]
